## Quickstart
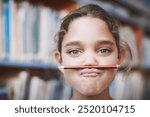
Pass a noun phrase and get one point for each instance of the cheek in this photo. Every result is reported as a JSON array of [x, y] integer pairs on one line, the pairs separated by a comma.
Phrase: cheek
[[110, 75], [67, 60], [69, 74], [71, 77], [107, 79], [109, 60]]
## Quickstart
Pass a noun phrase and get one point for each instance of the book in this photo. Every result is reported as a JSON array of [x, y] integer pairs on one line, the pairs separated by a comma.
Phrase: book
[[66, 92], [128, 87], [35, 31], [49, 21], [7, 12], [16, 85], [2, 31], [29, 32], [3, 93], [13, 40], [146, 53], [34, 88], [44, 90]]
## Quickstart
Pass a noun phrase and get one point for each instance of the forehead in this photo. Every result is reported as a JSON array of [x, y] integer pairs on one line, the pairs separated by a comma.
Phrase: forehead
[[87, 22], [88, 29]]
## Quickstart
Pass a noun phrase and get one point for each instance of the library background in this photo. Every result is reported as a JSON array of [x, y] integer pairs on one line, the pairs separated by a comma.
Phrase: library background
[[27, 30]]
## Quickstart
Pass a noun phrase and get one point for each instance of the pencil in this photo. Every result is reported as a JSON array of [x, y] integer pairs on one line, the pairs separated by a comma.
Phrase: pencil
[[86, 66]]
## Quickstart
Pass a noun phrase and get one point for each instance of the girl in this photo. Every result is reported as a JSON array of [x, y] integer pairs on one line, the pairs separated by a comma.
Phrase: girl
[[88, 44]]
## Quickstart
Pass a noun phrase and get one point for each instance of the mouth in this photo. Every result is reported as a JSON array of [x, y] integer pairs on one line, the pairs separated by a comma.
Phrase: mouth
[[91, 72]]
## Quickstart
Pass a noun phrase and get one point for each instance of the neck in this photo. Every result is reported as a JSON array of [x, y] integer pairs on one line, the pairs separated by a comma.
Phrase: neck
[[102, 96]]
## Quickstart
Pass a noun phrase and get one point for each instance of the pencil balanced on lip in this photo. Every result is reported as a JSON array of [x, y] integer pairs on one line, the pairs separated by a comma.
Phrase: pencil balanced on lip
[[89, 67]]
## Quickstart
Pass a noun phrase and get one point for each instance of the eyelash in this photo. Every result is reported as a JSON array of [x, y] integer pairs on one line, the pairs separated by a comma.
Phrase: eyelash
[[104, 51], [100, 51], [74, 52]]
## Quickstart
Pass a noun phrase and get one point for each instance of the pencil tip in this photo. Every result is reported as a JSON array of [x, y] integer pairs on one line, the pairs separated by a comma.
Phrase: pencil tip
[[61, 67], [117, 66]]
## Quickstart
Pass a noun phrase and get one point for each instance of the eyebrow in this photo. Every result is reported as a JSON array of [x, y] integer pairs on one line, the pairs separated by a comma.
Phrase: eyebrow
[[100, 42], [105, 42], [73, 43]]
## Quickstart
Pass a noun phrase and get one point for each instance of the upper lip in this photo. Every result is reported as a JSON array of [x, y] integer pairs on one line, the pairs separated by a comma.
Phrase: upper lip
[[88, 71]]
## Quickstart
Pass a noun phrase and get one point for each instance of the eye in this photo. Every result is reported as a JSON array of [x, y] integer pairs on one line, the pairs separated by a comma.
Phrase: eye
[[104, 51], [74, 52]]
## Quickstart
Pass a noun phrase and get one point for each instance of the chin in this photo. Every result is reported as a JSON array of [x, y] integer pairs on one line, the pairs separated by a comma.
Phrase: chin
[[91, 92]]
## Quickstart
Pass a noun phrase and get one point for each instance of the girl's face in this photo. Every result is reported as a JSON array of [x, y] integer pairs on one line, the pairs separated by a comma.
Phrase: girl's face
[[88, 42]]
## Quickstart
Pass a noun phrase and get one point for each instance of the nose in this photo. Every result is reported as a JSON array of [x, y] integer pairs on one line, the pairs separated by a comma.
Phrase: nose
[[90, 58]]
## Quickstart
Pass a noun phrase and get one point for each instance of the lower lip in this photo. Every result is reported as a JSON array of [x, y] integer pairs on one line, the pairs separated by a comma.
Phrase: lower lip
[[90, 74]]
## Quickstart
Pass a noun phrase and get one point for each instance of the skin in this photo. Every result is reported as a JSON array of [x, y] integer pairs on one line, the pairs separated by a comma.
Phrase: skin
[[88, 42]]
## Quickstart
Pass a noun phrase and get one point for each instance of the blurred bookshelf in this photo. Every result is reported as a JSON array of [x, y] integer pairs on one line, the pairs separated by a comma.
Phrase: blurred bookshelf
[[26, 52], [33, 65], [27, 30], [139, 5], [138, 12]]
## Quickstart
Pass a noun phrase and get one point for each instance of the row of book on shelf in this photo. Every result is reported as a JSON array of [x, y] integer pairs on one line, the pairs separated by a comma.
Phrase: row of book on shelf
[[27, 31], [128, 87], [18, 87], [146, 52]]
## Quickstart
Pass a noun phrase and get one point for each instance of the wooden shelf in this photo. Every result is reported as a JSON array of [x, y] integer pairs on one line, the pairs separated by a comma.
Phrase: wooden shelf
[[55, 4], [135, 6]]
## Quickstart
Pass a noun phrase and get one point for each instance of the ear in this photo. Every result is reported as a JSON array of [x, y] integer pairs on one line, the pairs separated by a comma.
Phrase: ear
[[121, 57], [125, 56], [58, 59]]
